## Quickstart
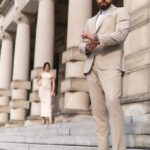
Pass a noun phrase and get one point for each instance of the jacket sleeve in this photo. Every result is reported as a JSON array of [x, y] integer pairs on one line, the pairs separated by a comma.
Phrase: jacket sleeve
[[121, 30], [82, 45]]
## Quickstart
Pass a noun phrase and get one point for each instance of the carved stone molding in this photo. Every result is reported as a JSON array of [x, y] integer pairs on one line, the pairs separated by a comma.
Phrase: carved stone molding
[[74, 84], [5, 36], [72, 53], [21, 18]]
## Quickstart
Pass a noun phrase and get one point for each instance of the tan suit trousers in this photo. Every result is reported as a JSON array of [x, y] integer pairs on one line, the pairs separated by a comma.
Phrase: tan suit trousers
[[105, 92]]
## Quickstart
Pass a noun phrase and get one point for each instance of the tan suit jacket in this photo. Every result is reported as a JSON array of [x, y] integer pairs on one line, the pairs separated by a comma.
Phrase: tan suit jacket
[[112, 30]]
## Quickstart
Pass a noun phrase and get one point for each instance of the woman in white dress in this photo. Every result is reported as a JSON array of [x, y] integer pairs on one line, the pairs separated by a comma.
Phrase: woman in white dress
[[46, 92]]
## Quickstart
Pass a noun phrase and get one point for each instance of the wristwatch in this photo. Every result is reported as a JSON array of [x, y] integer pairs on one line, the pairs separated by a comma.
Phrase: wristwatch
[[96, 38]]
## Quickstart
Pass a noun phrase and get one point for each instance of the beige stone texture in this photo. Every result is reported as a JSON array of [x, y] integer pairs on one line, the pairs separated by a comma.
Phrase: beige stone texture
[[135, 5], [19, 94], [4, 100], [6, 61], [72, 54], [21, 85], [35, 109], [4, 92], [17, 114], [4, 109], [136, 109], [74, 84], [34, 97], [76, 100], [22, 49], [4, 117], [138, 39], [74, 28], [74, 118], [136, 83], [58, 104], [137, 60], [44, 47], [19, 104], [75, 69]]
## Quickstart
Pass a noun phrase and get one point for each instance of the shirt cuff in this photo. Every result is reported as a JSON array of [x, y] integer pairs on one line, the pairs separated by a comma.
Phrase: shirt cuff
[[86, 51]]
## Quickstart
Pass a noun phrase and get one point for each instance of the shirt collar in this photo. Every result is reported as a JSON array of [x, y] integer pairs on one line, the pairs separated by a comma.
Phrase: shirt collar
[[104, 11]]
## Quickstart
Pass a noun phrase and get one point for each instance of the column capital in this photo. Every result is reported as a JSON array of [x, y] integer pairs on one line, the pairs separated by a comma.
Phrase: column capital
[[1, 22], [5, 36], [21, 18]]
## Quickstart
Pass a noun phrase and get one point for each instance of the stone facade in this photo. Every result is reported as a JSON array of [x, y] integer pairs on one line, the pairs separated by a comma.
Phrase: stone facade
[[35, 31]]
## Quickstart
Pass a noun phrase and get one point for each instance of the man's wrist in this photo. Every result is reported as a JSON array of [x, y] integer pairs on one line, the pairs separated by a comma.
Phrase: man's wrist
[[96, 38], [86, 51]]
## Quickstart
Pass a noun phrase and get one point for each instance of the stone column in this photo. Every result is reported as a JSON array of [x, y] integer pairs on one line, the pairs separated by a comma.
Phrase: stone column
[[5, 76], [75, 87], [44, 47], [136, 81], [44, 50], [20, 84]]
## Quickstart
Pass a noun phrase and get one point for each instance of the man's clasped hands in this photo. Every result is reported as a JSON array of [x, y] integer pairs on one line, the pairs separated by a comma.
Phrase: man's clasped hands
[[92, 43]]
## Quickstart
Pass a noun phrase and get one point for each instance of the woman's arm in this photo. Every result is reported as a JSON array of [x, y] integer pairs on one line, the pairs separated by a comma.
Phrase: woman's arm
[[38, 79], [53, 84]]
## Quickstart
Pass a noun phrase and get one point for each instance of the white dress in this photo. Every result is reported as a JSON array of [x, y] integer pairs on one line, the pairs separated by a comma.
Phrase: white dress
[[45, 94]]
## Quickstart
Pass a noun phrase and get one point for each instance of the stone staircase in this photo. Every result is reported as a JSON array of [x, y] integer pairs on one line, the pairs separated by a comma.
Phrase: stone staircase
[[72, 136]]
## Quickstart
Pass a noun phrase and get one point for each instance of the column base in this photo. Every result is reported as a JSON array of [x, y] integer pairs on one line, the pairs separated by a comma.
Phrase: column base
[[35, 109], [5, 92], [72, 54], [73, 118], [74, 84], [4, 100], [19, 94], [14, 123], [76, 100], [4, 118], [19, 104], [21, 85], [32, 122], [18, 114], [34, 97], [136, 109]]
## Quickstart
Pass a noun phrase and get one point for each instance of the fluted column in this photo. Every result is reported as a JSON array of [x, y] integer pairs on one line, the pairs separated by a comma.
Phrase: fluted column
[[6, 61], [75, 86], [44, 49], [79, 12], [45, 33], [20, 84], [5, 75], [22, 49]]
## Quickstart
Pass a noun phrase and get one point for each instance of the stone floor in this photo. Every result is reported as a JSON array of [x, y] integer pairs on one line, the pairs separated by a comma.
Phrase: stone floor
[[71, 136]]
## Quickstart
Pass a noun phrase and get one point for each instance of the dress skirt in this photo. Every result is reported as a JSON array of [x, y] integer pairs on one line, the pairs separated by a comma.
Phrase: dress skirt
[[45, 97]]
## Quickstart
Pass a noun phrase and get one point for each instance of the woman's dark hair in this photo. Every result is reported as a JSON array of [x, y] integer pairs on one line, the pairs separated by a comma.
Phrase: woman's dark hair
[[46, 63]]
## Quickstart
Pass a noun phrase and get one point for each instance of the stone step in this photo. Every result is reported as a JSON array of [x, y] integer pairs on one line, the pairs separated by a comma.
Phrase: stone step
[[133, 141], [13, 146], [86, 128], [73, 133]]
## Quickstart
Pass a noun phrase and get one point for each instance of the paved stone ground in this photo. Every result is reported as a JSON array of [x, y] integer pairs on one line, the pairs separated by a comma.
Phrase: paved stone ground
[[72, 136]]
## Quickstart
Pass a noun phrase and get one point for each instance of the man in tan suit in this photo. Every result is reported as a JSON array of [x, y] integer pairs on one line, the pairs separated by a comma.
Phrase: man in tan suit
[[103, 39]]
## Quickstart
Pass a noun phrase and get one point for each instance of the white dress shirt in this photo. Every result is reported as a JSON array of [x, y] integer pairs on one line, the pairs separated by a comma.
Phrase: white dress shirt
[[99, 17]]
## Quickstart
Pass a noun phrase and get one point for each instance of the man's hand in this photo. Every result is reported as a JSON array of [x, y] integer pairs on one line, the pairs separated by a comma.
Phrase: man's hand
[[87, 35], [91, 45]]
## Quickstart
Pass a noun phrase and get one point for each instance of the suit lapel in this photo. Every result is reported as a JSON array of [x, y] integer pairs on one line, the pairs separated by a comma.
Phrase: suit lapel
[[112, 7], [93, 27]]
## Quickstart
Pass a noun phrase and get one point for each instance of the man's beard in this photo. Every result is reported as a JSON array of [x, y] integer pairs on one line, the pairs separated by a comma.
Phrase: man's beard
[[103, 7]]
